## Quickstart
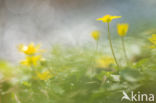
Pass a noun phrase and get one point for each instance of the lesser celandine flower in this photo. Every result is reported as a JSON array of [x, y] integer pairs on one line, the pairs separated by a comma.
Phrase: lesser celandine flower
[[108, 18], [95, 34], [122, 29], [44, 76], [105, 62], [30, 49], [31, 60], [153, 40]]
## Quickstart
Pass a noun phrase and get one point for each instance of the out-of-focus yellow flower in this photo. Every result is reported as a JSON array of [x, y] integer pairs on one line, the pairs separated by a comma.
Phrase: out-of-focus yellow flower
[[104, 62], [31, 60], [108, 18], [30, 49], [153, 46], [96, 35], [44, 76], [122, 29], [153, 40]]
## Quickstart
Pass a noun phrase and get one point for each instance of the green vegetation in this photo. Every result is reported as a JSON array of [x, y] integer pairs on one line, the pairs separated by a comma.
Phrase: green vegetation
[[79, 74], [72, 80]]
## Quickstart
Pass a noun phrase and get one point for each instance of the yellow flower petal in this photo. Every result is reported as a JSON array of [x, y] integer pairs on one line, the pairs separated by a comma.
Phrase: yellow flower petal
[[35, 59], [22, 48], [115, 17], [108, 18], [31, 49], [44, 76], [96, 35], [105, 62], [153, 39], [31, 60], [153, 46], [122, 29]]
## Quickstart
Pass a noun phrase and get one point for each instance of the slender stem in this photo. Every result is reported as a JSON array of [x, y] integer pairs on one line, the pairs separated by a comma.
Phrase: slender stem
[[110, 42], [124, 49], [96, 50], [92, 61]]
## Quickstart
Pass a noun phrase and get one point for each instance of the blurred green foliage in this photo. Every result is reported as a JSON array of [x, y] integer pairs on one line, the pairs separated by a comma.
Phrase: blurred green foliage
[[75, 81]]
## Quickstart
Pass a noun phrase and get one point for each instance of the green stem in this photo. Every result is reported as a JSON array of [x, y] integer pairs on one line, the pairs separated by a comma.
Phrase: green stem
[[92, 62], [96, 50], [124, 49], [110, 42]]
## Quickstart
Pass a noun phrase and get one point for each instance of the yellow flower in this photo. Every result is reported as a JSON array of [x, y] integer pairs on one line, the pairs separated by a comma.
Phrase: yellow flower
[[44, 76], [122, 29], [108, 18], [30, 49], [31, 60], [153, 46], [153, 40], [96, 35], [105, 62]]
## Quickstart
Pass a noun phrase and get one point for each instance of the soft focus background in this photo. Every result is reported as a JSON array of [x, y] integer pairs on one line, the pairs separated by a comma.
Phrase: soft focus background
[[67, 21], [72, 70]]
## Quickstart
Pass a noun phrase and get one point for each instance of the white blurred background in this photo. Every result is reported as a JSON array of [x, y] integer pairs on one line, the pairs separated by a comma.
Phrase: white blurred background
[[66, 21]]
